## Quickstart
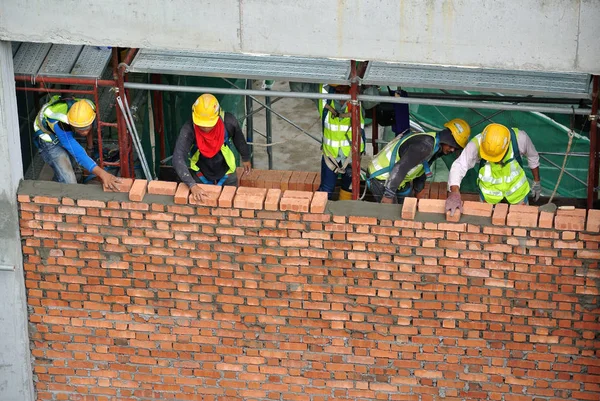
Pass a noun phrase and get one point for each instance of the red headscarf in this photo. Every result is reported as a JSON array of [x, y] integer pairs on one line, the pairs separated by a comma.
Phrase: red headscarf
[[209, 143]]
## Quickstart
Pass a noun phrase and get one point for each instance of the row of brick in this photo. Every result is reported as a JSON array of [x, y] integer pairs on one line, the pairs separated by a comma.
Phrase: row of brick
[[510, 215], [228, 196], [280, 179]]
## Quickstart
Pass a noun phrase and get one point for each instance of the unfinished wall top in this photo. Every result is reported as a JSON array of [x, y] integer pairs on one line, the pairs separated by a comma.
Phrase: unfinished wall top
[[525, 35]]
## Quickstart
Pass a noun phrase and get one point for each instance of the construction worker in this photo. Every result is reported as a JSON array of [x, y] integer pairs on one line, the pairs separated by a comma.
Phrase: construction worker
[[501, 176], [336, 123], [53, 136], [401, 168], [209, 136]]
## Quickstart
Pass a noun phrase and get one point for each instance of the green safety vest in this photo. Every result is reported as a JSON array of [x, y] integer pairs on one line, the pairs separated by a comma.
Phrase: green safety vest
[[56, 109], [381, 165], [505, 179], [337, 132], [225, 150]]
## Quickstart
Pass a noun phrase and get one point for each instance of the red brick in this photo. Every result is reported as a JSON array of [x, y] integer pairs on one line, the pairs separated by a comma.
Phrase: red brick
[[297, 180], [250, 198], [319, 202], [46, 199], [182, 194], [123, 186], [138, 190], [227, 195], [308, 182], [593, 221], [499, 215], [167, 188], [211, 195], [482, 209], [432, 205], [455, 218], [297, 194], [409, 208], [546, 220], [565, 221], [516, 219], [272, 199], [285, 180], [426, 191], [295, 204]]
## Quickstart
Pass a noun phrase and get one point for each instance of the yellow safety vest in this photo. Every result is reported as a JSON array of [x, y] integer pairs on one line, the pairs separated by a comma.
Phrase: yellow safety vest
[[505, 179], [379, 168], [225, 150], [337, 132], [56, 109]]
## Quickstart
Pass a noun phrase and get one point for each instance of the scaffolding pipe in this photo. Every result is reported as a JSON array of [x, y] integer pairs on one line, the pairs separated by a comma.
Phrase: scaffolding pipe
[[250, 121], [474, 105], [269, 129], [371, 98], [355, 113], [593, 170], [159, 121], [64, 80], [494, 98], [231, 91], [54, 90]]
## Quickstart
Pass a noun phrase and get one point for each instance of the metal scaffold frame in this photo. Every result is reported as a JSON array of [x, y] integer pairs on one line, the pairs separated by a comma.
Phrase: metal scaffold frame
[[354, 80]]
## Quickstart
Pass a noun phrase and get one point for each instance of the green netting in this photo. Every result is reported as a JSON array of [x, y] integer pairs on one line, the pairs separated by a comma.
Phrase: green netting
[[177, 109], [549, 133]]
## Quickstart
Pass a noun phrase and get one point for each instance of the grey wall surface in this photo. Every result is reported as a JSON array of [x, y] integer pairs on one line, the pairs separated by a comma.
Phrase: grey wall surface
[[549, 35], [15, 369]]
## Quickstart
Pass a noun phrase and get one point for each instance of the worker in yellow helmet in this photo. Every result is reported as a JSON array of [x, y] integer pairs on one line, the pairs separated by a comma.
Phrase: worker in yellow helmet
[[336, 122], [501, 176], [53, 135], [209, 136], [401, 168]]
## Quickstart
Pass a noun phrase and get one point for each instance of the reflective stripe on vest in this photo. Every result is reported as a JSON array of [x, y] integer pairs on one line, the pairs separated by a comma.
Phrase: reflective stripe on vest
[[382, 160], [337, 132], [502, 180]]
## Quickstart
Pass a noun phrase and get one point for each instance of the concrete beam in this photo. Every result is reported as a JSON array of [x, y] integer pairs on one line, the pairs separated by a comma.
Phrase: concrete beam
[[15, 367], [557, 35]]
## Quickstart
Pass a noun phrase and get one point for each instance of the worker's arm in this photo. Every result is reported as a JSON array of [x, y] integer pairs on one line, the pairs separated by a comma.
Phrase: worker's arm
[[237, 136], [185, 140], [412, 153], [70, 144], [466, 161], [527, 149]]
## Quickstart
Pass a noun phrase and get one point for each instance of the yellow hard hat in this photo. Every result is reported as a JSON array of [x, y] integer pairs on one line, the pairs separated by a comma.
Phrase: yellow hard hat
[[460, 130], [205, 111], [81, 114], [495, 139]]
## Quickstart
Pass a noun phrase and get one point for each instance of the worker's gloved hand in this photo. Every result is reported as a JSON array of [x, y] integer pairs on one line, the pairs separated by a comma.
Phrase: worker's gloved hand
[[454, 202], [197, 193], [536, 190]]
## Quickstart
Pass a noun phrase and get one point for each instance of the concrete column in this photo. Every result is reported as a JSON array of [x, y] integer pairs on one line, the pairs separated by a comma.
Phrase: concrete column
[[16, 382]]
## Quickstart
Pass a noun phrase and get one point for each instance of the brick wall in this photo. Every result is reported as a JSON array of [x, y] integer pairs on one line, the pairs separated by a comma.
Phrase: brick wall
[[161, 300]]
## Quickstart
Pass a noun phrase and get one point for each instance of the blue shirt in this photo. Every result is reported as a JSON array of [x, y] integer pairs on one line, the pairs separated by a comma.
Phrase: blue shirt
[[70, 144]]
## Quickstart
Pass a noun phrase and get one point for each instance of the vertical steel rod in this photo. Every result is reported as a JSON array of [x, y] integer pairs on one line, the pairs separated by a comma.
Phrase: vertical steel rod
[[355, 111], [98, 127], [593, 167], [159, 121], [249, 121], [269, 129]]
